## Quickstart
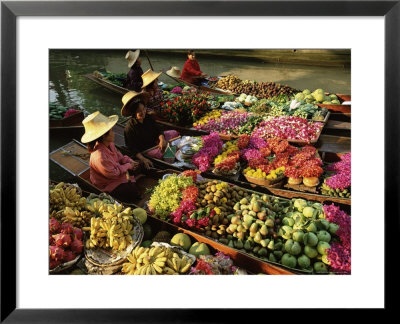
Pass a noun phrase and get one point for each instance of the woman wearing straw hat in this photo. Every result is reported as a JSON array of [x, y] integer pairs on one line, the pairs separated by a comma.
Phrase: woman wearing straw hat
[[174, 72], [109, 169], [141, 131], [191, 70], [150, 85], [134, 77]]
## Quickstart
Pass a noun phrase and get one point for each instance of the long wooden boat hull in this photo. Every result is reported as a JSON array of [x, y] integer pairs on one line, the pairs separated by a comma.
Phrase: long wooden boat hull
[[107, 84], [78, 166]]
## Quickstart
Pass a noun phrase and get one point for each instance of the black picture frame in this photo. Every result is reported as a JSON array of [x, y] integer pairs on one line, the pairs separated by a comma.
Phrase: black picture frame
[[10, 10]]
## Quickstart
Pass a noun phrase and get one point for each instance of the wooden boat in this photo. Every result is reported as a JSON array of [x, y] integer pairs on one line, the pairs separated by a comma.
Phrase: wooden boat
[[76, 163], [72, 120], [120, 90], [202, 87], [107, 84]]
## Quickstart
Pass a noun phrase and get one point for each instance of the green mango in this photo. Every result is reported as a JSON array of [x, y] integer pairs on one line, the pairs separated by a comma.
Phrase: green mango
[[304, 262], [322, 247], [320, 267], [312, 227], [289, 260], [310, 239], [324, 236], [333, 228], [298, 236]]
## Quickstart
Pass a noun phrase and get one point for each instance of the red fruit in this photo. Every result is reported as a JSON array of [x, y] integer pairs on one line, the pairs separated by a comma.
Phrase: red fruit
[[69, 256], [56, 253], [67, 228], [78, 234], [77, 246], [54, 225], [54, 263], [62, 239], [51, 240]]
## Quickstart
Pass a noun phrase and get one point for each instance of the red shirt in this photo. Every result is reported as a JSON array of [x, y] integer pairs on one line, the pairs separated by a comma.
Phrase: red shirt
[[191, 68], [108, 167]]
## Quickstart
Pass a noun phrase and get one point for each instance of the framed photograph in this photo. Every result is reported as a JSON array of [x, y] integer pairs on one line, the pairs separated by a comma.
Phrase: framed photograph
[[34, 31]]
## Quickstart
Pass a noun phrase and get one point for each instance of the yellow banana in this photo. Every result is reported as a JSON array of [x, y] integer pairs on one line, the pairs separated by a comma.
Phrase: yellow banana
[[59, 185], [161, 264], [143, 269], [170, 264], [168, 271], [148, 270], [157, 268], [185, 268]]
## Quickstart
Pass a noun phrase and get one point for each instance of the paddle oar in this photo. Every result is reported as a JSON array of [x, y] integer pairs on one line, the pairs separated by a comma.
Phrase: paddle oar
[[148, 58]]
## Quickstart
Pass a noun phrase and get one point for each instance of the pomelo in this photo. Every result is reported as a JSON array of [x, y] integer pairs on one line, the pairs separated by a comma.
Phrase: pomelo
[[141, 215], [182, 240]]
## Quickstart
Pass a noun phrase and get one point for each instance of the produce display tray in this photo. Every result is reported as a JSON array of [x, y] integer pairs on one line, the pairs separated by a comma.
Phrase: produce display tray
[[301, 187], [276, 183]]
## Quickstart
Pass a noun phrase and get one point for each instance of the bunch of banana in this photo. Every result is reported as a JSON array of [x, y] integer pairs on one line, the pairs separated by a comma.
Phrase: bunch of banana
[[110, 233], [65, 195], [76, 217], [96, 206], [155, 260]]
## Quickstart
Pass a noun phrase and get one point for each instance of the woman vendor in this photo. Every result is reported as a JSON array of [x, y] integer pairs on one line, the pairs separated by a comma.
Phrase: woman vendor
[[109, 169], [150, 85], [134, 77], [191, 70], [141, 131]]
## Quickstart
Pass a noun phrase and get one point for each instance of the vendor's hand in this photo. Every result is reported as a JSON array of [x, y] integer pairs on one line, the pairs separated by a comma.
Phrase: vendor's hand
[[162, 145], [147, 163], [135, 165]]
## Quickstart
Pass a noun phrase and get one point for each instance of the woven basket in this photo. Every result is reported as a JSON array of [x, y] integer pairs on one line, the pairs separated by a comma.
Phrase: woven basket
[[264, 182], [65, 266]]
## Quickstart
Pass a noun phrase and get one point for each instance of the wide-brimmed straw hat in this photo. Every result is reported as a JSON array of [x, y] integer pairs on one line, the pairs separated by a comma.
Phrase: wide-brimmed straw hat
[[148, 77], [132, 57], [174, 72], [133, 95], [96, 125]]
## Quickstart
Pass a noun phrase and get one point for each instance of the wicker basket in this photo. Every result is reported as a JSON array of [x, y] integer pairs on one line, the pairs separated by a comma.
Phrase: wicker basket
[[65, 265], [265, 182]]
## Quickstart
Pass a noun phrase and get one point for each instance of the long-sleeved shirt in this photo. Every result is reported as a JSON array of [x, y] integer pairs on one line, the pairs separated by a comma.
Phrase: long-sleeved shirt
[[190, 69], [108, 167], [141, 136], [134, 79]]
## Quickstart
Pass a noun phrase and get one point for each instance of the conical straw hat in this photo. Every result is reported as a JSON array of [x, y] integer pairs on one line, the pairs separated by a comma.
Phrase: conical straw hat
[[128, 97], [148, 77], [174, 72], [96, 125], [132, 57]]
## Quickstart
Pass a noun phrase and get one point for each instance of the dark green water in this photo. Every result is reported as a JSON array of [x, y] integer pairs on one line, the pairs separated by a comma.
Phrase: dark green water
[[69, 87]]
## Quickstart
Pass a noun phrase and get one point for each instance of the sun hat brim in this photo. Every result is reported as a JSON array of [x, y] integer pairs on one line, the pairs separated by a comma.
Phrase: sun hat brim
[[144, 96], [100, 130], [151, 79], [134, 59]]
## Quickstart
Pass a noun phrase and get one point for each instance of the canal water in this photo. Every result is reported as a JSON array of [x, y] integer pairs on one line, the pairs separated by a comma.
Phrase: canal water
[[69, 87]]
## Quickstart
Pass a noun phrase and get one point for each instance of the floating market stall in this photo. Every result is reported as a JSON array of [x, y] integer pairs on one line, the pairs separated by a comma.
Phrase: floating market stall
[[271, 166], [79, 224]]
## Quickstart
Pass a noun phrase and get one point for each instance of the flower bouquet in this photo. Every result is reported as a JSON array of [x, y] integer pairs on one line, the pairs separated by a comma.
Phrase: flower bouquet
[[294, 129], [186, 109]]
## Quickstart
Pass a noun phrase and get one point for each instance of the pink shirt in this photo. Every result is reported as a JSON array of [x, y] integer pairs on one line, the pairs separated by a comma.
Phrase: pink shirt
[[108, 167]]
